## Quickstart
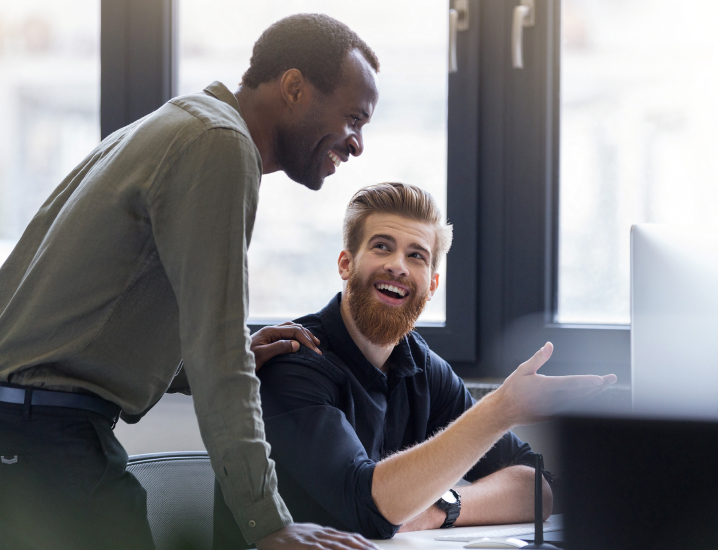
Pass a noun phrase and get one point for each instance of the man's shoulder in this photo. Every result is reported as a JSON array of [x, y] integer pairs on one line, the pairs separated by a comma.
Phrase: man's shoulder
[[306, 361], [215, 107]]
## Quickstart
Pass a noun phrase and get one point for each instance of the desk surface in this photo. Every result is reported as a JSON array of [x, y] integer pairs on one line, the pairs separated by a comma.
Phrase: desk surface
[[419, 540]]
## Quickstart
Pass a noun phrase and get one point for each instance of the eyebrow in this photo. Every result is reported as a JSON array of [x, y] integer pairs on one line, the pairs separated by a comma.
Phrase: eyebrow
[[392, 240]]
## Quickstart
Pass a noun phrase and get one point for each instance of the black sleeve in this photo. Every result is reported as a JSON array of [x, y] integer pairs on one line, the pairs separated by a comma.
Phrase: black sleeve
[[313, 442]]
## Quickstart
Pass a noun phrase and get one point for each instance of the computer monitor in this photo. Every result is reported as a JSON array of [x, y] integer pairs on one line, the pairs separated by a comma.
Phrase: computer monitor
[[635, 484], [674, 321]]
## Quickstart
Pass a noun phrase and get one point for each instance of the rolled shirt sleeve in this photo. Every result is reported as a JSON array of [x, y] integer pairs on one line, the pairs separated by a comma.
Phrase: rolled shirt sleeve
[[202, 216]]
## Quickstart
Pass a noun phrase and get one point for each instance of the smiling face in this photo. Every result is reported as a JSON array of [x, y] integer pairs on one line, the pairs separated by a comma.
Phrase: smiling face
[[389, 279], [329, 129]]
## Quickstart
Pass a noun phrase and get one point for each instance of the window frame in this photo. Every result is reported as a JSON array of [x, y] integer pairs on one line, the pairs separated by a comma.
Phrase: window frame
[[518, 182]]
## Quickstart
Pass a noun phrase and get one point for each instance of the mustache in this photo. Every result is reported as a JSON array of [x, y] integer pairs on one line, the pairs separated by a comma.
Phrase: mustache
[[404, 281]]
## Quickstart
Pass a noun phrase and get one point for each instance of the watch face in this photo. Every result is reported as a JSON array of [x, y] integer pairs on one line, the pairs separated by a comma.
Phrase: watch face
[[449, 497]]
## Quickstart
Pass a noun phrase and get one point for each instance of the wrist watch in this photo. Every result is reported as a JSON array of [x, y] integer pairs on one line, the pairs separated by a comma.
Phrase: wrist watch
[[450, 502]]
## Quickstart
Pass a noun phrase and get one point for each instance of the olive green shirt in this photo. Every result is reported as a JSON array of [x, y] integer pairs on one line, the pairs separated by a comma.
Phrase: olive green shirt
[[138, 261]]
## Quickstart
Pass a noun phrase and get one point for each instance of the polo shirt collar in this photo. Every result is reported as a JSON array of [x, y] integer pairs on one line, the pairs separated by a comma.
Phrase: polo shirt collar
[[342, 344]]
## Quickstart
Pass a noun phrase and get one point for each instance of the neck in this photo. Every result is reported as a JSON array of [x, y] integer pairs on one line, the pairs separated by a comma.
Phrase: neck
[[376, 355], [260, 114]]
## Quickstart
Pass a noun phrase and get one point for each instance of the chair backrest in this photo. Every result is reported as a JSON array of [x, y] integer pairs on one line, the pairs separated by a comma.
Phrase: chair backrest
[[180, 498]]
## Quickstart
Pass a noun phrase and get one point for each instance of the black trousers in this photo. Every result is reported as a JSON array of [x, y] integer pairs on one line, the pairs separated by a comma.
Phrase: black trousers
[[63, 484]]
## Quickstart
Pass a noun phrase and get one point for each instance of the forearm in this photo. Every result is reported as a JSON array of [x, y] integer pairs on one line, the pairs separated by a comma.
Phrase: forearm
[[409, 482], [506, 496]]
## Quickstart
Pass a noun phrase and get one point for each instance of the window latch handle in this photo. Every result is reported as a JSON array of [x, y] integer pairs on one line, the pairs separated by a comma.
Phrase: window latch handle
[[458, 21], [524, 16]]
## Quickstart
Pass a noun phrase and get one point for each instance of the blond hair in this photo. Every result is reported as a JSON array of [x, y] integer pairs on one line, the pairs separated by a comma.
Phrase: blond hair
[[402, 199]]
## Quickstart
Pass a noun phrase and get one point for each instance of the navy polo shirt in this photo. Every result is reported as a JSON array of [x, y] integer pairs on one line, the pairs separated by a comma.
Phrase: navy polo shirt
[[330, 418]]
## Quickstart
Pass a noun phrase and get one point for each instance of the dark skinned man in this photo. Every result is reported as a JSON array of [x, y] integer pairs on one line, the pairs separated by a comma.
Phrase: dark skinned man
[[135, 268]]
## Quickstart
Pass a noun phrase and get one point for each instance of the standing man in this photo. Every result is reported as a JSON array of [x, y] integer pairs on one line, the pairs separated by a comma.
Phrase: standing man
[[137, 265]]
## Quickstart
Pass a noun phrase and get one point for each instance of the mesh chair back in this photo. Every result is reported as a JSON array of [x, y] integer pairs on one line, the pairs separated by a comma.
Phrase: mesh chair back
[[180, 498]]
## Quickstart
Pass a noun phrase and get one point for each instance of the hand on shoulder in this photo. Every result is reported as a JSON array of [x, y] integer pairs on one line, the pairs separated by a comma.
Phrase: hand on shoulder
[[271, 341]]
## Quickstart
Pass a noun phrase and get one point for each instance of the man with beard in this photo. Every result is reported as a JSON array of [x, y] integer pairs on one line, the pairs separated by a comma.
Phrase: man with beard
[[373, 434], [136, 265]]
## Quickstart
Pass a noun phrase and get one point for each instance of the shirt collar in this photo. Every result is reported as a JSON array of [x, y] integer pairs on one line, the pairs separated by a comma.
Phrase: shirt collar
[[341, 343], [221, 92]]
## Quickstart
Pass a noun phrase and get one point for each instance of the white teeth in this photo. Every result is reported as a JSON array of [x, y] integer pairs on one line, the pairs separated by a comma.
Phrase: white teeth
[[335, 159], [400, 291]]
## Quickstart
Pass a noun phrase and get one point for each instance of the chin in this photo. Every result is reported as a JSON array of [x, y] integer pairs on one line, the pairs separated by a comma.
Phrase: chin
[[313, 185], [313, 182]]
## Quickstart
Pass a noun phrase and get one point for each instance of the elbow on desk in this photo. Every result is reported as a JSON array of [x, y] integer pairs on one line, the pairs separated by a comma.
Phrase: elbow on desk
[[547, 501]]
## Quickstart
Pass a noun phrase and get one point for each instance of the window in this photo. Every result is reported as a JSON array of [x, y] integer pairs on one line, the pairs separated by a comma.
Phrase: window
[[50, 89], [637, 126], [297, 236]]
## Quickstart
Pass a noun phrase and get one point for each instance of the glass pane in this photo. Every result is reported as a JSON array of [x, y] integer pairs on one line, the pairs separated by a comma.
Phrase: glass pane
[[639, 80], [50, 91], [297, 237]]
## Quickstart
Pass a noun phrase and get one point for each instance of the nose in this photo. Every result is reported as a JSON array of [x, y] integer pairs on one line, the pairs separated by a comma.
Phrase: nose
[[355, 143], [396, 266]]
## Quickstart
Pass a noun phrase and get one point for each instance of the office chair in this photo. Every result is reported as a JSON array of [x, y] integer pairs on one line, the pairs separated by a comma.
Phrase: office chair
[[180, 498]]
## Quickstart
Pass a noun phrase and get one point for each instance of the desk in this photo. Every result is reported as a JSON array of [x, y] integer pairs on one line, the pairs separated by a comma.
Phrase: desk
[[419, 540]]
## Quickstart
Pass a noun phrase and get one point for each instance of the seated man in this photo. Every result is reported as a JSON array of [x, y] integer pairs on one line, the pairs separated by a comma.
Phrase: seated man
[[372, 434]]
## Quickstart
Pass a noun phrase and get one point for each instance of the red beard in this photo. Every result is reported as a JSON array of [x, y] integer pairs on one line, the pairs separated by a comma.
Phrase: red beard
[[380, 323]]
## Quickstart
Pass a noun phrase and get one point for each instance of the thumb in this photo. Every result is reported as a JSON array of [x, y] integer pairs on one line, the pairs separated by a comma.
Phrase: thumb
[[536, 362]]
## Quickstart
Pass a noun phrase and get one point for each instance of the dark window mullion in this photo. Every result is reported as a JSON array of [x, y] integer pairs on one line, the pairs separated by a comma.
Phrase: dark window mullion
[[138, 60]]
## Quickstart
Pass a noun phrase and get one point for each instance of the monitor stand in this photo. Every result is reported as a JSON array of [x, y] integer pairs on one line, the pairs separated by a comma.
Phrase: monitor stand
[[538, 510]]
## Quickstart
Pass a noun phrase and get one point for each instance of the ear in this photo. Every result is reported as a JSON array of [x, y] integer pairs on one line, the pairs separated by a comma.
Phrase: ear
[[433, 285], [294, 88], [345, 264]]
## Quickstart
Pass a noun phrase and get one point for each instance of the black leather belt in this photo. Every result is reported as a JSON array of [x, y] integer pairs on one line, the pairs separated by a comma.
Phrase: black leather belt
[[45, 398]]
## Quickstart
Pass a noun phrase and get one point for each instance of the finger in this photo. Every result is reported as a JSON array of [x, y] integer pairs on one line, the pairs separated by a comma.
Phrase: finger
[[304, 329], [539, 358], [307, 338], [572, 382], [582, 394], [610, 379], [346, 540], [292, 331], [308, 333], [336, 534], [345, 543], [264, 353]]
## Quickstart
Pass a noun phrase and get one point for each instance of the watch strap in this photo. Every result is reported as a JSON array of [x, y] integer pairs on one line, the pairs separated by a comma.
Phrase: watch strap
[[452, 509]]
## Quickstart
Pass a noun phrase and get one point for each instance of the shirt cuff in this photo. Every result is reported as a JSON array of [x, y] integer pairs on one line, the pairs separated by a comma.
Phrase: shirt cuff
[[374, 525], [263, 518]]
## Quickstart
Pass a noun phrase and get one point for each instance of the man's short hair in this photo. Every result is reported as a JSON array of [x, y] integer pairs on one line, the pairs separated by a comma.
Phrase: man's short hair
[[313, 43], [402, 199]]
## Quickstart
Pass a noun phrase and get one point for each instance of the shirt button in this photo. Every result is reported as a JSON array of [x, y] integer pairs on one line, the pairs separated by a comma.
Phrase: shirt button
[[252, 523]]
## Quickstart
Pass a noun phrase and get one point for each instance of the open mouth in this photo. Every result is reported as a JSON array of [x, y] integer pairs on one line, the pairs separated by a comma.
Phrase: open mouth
[[334, 158], [394, 292]]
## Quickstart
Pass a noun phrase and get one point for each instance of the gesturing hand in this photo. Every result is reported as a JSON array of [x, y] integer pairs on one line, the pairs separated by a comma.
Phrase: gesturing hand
[[530, 397], [308, 536], [285, 338]]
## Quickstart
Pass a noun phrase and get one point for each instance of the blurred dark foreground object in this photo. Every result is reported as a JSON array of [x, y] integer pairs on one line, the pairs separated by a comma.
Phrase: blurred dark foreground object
[[634, 484], [63, 484]]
